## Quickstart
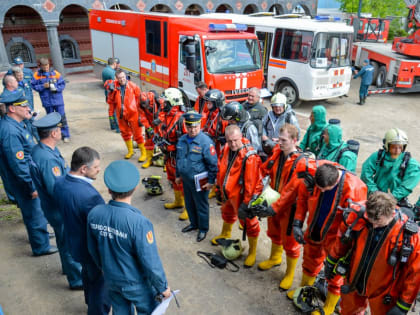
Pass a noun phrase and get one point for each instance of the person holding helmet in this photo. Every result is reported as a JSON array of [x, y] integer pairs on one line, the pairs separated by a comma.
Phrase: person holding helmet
[[235, 114], [392, 169], [150, 109], [170, 129], [255, 109], [280, 114], [313, 137], [124, 100], [336, 150], [196, 154], [236, 180], [366, 73]]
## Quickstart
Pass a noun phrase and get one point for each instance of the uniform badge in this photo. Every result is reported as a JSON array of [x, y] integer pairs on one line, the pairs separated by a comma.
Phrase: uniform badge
[[56, 171], [20, 155], [149, 237], [212, 150]]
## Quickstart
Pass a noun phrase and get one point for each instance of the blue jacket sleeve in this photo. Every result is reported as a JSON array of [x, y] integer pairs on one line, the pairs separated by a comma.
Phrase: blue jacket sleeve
[[50, 171], [38, 84], [210, 158], [92, 245], [61, 84], [360, 73], [148, 256]]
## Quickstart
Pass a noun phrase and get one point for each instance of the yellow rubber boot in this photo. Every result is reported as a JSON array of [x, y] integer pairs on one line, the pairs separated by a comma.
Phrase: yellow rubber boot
[[240, 226], [226, 233], [129, 144], [212, 192], [275, 258], [149, 156], [183, 216], [329, 305], [306, 281], [287, 281], [252, 252], [178, 202], [143, 154]]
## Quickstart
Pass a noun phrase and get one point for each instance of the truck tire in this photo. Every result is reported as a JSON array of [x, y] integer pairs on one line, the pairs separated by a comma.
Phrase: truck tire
[[375, 66], [291, 93], [381, 77]]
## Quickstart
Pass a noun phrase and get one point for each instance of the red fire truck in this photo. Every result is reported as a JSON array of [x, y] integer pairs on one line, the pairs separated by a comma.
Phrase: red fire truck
[[397, 65], [167, 50]]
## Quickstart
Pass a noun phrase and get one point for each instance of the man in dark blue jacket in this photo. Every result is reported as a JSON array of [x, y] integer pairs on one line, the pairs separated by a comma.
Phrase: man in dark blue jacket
[[366, 73], [76, 197], [123, 244], [47, 167], [15, 153], [195, 155], [50, 85]]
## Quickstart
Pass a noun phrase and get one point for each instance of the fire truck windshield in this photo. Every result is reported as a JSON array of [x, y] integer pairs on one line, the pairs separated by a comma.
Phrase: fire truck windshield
[[232, 56], [331, 50]]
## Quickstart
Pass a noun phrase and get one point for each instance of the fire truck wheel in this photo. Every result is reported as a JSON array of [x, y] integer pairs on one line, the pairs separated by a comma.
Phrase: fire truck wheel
[[375, 70], [291, 93], [381, 77]]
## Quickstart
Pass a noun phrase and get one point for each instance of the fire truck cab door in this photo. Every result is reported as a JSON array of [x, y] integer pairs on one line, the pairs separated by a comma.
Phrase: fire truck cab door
[[189, 65]]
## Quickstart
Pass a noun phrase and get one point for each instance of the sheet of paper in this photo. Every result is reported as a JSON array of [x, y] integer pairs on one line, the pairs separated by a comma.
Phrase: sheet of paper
[[162, 307]]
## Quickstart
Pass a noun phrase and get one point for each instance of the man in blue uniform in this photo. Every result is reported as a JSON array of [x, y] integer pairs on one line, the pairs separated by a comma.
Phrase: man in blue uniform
[[123, 244], [27, 73], [15, 153], [196, 154], [50, 85], [76, 197], [366, 74], [109, 74], [47, 167]]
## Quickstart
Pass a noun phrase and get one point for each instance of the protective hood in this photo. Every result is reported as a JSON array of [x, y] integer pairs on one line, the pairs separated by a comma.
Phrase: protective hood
[[320, 117], [335, 136]]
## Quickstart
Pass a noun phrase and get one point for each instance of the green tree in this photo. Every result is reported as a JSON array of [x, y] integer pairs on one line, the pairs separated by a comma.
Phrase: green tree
[[378, 8]]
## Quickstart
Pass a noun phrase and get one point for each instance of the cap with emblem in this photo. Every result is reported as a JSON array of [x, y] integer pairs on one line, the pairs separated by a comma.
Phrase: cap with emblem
[[117, 60], [16, 98], [18, 61], [366, 61], [121, 176], [192, 118], [50, 121]]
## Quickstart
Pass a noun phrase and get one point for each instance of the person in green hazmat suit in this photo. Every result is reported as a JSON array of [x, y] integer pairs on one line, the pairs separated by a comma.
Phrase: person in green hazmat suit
[[313, 136], [392, 169], [336, 150]]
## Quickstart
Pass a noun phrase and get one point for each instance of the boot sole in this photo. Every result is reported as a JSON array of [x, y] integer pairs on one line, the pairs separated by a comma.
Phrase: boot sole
[[276, 265]]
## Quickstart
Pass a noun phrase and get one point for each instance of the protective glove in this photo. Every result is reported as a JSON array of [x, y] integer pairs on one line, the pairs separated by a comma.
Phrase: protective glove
[[219, 197], [396, 310], [329, 265], [297, 231], [262, 210], [243, 211], [150, 132], [156, 122]]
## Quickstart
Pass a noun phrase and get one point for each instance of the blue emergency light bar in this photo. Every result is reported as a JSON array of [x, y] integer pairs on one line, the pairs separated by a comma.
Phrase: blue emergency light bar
[[227, 27], [326, 18]]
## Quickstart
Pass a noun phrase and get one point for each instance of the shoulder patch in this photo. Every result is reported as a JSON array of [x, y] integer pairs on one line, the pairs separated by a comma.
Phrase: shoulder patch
[[212, 150], [56, 171], [149, 237], [20, 155]]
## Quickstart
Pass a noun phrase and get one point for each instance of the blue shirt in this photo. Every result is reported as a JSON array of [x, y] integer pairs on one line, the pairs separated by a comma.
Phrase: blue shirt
[[122, 243], [16, 147], [75, 198], [196, 157]]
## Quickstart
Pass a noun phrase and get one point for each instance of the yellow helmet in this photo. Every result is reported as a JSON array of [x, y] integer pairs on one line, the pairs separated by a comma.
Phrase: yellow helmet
[[279, 99]]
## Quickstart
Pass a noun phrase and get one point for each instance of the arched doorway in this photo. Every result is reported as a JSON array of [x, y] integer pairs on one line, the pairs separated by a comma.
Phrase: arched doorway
[[224, 8], [250, 8], [75, 42], [277, 9], [120, 6], [24, 35], [161, 8], [194, 9], [301, 8]]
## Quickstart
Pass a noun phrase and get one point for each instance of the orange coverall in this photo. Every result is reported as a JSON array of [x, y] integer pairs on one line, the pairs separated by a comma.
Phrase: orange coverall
[[233, 193], [127, 112], [315, 251], [150, 109], [215, 127], [379, 283]]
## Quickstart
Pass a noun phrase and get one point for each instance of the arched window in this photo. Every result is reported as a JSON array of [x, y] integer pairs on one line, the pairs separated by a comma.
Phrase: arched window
[[69, 49], [20, 47]]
